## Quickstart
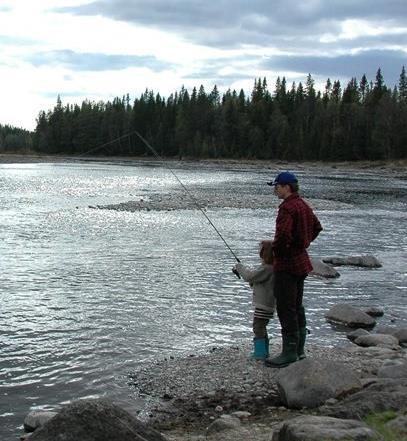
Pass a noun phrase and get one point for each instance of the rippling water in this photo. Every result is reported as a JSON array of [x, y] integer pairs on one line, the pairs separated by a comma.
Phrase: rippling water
[[87, 295]]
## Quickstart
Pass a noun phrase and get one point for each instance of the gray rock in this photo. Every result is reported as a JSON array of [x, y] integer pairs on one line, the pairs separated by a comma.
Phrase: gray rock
[[320, 428], [93, 420], [385, 394], [350, 316], [310, 382], [322, 269], [37, 419], [383, 340], [395, 369], [241, 414], [401, 334], [352, 336], [226, 422], [366, 261], [374, 311], [398, 425]]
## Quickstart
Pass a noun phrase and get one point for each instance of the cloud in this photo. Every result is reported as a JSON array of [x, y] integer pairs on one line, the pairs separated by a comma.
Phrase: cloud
[[7, 40], [344, 66], [95, 61], [255, 22]]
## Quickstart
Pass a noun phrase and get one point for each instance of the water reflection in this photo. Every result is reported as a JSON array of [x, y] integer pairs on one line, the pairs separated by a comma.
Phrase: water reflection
[[87, 295]]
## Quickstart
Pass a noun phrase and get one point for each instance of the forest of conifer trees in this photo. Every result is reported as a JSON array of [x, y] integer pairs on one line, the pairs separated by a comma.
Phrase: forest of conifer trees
[[362, 121]]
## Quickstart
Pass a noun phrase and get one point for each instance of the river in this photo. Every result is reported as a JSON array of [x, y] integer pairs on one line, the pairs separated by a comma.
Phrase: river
[[88, 295]]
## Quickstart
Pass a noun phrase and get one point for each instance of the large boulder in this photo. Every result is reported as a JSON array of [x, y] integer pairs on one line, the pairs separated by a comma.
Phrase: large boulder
[[366, 261], [385, 394], [322, 428], [95, 420], [350, 316], [310, 382], [322, 269], [383, 340]]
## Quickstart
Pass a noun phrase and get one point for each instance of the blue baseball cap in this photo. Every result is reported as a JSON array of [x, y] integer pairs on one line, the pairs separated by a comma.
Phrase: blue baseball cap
[[284, 178]]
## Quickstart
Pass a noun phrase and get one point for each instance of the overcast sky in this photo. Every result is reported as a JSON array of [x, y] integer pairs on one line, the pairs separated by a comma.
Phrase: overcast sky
[[99, 49]]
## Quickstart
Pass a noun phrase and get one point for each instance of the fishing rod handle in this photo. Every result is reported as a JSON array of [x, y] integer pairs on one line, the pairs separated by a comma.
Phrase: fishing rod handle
[[235, 271]]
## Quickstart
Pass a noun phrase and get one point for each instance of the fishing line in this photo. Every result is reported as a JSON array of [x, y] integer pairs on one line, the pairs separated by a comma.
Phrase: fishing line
[[151, 148]]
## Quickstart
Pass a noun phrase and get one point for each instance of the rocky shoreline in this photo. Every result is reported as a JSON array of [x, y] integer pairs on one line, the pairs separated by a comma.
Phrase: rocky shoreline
[[186, 396]]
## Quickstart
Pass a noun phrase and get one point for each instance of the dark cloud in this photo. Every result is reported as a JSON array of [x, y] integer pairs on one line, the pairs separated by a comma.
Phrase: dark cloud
[[292, 27], [96, 61], [258, 21], [344, 66]]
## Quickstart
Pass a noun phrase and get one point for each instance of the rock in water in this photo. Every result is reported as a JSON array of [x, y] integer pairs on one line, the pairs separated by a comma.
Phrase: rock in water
[[322, 269], [350, 316], [365, 261], [383, 340], [94, 420]]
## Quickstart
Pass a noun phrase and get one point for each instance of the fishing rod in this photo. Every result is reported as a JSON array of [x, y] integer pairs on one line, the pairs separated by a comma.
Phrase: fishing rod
[[152, 149]]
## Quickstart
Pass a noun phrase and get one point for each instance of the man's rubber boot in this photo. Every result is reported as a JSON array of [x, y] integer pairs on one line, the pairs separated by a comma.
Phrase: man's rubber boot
[[288, 354], [267, 345], [259, 352], [302, 335]]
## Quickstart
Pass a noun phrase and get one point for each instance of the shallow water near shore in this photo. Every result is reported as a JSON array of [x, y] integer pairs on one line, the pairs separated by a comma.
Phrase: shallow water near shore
[[87, 295]]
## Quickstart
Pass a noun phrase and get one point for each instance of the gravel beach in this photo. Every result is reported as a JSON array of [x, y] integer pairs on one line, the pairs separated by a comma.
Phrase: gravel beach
[[184, 396]]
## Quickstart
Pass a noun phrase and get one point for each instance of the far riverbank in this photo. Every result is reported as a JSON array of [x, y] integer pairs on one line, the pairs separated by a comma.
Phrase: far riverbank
[[399, 166]]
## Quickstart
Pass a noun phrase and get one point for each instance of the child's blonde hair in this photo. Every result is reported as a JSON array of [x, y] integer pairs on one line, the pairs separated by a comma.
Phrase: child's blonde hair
[[266, 251]]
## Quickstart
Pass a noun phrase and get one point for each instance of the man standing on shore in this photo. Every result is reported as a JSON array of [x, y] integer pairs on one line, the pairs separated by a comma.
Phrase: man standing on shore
[[296, 227]]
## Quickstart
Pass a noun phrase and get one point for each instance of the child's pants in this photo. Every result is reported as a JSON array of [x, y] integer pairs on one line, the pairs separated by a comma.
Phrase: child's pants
[[260, 327]]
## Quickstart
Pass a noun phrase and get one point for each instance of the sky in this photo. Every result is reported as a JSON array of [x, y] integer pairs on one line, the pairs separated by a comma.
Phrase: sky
[[100, 49]]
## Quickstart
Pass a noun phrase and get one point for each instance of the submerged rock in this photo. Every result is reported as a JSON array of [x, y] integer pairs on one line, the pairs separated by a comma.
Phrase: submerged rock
[[351, 316]]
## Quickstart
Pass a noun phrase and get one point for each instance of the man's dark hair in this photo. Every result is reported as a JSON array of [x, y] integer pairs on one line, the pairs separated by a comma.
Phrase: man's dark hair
[[294, 187]]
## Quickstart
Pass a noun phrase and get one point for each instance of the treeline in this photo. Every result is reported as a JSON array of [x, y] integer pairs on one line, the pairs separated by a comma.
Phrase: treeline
[[361, 121], [14, 139]]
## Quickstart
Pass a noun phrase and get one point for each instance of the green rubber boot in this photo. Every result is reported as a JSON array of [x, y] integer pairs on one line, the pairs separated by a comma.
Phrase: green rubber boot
[[259, 352], [302, 335], [288, 354], [267, 344]]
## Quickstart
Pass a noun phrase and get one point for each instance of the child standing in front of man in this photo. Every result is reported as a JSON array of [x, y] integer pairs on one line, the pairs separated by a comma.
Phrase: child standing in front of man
[[261, 279]]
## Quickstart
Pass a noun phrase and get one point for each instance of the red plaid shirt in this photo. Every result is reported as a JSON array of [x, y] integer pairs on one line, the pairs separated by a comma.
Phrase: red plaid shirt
[[296, 227]]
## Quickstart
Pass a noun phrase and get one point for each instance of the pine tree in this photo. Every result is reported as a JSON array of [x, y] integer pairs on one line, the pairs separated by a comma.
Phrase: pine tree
[[403, 86]]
